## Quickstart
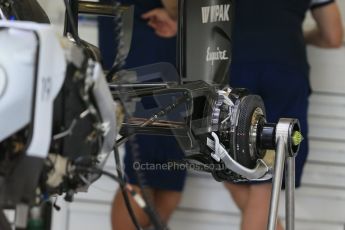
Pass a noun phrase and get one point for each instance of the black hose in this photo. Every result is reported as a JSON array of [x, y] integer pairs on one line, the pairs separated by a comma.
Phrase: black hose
[[150, 210], [118, 64], [72, 23], [120, 58], [123, 190], [83, 169]]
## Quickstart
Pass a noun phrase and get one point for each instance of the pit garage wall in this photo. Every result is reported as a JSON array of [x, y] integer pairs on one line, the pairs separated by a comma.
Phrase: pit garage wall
[[320, 203]]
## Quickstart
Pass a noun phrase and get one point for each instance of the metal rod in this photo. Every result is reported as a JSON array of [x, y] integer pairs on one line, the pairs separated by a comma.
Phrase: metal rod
[[165, 111], [71, 20], [176, 132], [142, 92], [97, 8], [167, 128], [157, 123], [158, 130], [138, 89], [138, 85], [290, 193], [277, 183]]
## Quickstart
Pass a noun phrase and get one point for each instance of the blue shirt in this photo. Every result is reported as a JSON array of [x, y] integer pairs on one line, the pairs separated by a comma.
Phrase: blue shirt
[[146, 47], [270, 31]]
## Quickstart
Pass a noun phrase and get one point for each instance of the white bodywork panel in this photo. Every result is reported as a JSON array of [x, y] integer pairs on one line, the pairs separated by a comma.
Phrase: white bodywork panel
[[16, 79], [30, 37]]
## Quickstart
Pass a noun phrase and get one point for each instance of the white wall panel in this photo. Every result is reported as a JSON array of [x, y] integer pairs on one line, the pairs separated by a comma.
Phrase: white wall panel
[[327, 69], [327, 152], [89, 216], [192, 219], [324, 175]]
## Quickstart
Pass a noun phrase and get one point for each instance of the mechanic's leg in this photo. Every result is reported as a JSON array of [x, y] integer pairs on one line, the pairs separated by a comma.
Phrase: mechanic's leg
[[256, 213], [120, 218], [240, 195], [255, 210], [166, 202]]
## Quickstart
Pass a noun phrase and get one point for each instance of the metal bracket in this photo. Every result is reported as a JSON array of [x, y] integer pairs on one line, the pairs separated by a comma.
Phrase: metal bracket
[[285, 154], [260, 172]]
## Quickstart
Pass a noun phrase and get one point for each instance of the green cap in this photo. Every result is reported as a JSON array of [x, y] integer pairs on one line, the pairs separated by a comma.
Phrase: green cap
[[297, 138]]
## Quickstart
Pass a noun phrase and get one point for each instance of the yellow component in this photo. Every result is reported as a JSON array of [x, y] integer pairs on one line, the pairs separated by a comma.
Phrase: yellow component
[[297, 138]]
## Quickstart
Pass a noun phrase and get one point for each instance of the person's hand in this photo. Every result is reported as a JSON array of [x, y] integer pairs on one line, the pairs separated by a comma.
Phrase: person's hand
[[161, 22]]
